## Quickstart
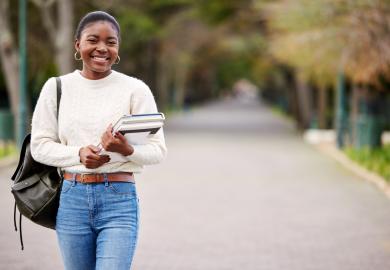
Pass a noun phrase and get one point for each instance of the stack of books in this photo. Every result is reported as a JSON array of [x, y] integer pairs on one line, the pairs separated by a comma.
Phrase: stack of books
[[139, 123], [137, 129]]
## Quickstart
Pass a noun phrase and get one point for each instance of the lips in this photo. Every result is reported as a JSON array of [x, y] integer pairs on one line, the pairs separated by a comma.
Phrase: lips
[[100, 59]]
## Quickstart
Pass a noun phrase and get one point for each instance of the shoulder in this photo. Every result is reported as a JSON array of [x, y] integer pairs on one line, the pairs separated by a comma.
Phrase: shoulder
[[136, 85], [69, 76], [49, 89]]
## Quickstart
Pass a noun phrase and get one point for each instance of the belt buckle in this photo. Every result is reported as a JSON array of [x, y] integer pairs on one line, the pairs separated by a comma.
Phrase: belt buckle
[[82, 177]]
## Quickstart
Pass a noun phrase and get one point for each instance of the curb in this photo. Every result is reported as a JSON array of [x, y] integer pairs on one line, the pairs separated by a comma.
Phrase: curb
[[332, 151]]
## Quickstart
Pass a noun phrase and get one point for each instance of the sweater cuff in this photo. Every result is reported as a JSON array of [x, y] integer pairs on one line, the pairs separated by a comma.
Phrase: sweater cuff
[[74, 151], [136, 156]]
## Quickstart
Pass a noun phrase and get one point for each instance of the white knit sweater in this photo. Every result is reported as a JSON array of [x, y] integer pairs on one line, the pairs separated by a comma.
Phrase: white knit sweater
[[87, 107]]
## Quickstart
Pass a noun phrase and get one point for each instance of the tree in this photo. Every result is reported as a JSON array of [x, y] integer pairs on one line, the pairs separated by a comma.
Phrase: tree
[[9, 56], [60, 32], [322, 38]]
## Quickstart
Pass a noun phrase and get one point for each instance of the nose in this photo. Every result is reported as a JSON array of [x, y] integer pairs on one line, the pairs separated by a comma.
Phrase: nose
[[101, 47]]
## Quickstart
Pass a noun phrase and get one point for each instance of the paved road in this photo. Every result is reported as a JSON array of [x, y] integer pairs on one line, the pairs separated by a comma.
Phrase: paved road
[[238, 191]]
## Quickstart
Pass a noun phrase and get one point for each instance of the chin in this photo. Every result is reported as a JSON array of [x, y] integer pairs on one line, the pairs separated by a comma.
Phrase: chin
[[101, 69]]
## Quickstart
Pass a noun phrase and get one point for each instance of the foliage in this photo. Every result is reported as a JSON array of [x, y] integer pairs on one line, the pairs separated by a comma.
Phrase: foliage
[[377, 160], [321, 37], [218, 10], [7, 150], [175, 43]]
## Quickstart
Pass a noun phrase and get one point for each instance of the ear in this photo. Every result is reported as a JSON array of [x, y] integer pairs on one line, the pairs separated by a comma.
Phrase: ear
[[77, 45]]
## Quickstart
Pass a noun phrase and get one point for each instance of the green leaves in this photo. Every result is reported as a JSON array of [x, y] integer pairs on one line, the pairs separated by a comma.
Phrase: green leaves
[[136, 26], [217, 11], [321, 37], [377, 160]]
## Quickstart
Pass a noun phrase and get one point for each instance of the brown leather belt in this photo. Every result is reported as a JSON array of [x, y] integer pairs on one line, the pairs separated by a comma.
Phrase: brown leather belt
[[99, 177]]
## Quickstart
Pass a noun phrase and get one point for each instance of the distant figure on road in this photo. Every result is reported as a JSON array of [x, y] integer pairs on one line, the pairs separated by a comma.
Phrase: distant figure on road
[[97, 220], [244, 90]]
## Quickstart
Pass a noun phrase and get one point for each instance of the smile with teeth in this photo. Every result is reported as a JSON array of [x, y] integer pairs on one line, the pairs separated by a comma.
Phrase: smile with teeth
[[100, 58]]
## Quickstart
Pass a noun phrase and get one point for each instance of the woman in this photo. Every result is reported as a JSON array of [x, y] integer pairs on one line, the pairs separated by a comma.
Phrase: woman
[[97, 220]]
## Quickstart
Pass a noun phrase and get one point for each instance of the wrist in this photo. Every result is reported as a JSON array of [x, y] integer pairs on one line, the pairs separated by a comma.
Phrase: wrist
[[128, 151], [80, 152]]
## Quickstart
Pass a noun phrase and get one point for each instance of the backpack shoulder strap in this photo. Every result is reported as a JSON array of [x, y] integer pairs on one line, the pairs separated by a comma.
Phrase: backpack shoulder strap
[[26, 140], [59, 92]]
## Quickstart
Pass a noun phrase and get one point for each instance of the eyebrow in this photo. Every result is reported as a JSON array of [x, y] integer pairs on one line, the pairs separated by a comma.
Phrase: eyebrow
[[96, 36]]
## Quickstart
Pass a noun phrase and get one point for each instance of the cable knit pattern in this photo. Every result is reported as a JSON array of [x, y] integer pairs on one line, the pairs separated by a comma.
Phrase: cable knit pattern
[[87, 108]]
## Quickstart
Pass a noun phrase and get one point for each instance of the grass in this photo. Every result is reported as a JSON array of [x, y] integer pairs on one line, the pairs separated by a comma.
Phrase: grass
[[7, 150], [376, 160]]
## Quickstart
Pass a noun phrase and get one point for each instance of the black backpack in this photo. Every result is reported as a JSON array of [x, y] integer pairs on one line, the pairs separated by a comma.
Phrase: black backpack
[[36, 186]]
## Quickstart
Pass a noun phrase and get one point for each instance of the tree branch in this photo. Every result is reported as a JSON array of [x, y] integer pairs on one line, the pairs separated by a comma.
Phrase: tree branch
[[47, 18]]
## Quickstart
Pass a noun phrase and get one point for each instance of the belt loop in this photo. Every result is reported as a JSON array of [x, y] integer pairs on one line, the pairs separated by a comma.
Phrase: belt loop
[[74, 179], [105, 179]]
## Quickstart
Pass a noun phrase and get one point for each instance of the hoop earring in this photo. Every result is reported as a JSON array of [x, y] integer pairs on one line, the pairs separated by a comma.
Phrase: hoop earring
[[117, 60], [75, 56]]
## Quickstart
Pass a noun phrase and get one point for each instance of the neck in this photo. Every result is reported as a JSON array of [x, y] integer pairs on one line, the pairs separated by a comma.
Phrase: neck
[[93, 75]]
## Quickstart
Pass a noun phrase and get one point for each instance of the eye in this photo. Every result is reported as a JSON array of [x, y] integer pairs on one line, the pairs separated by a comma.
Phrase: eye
[[92, 40]]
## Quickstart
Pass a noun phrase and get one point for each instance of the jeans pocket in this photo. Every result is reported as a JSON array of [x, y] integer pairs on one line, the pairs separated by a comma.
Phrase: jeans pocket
[[66, 186], [123, 188]]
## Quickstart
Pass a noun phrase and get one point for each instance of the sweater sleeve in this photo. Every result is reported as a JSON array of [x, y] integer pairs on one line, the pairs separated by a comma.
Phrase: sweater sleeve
[[45, 143], [155, 150]]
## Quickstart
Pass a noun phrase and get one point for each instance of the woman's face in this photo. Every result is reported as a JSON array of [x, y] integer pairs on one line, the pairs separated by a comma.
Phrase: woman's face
[[98, 46]]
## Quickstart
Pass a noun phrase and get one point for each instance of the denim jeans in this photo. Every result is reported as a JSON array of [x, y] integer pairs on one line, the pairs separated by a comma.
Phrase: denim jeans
[[97, 225]]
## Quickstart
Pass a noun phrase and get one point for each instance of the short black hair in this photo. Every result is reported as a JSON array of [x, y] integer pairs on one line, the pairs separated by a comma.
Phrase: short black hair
[[96, 16]]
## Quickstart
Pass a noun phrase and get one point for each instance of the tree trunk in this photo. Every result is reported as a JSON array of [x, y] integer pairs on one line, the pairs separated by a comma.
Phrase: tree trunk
[[64, 40], [322, 104], [292, 97], [304, 102], [61, 36], [354, 112], [370, 119], [9, 58], [180, 79], [162, 83], [180, 85]]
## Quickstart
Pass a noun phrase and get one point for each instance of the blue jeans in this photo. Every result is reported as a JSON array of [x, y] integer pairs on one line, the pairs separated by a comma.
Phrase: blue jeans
[[97, 225]]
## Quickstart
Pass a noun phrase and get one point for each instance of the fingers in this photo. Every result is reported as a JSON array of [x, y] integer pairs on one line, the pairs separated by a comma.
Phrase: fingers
[[107, 137], [94, 148], [121, 137], [109, 128], [114, 142], [105, 158], [110, 142], [93, 164], [92, 153], [90, 158]]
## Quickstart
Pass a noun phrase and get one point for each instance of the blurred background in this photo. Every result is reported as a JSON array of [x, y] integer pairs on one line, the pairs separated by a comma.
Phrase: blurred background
[[323, 63], [322, 67]]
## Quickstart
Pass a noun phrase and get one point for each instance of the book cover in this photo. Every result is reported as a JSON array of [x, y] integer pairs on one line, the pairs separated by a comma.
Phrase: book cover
[[137, 130]]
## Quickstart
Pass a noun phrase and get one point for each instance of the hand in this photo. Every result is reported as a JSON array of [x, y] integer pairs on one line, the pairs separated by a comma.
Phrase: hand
[[90, 158], [116, 143]]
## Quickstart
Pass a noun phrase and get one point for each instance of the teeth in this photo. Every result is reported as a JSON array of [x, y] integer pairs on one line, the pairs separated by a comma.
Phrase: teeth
[[98, 58]]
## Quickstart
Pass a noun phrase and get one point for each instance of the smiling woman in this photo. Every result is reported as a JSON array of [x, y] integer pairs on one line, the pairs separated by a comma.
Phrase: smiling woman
[[97, 220], [98, 45]]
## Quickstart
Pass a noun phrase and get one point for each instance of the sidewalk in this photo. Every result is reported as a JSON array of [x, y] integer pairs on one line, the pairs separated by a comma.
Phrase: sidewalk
[[240, 190]]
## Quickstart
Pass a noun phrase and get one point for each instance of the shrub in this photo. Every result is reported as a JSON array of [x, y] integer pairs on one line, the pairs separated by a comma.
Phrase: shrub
[[376, 160]]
